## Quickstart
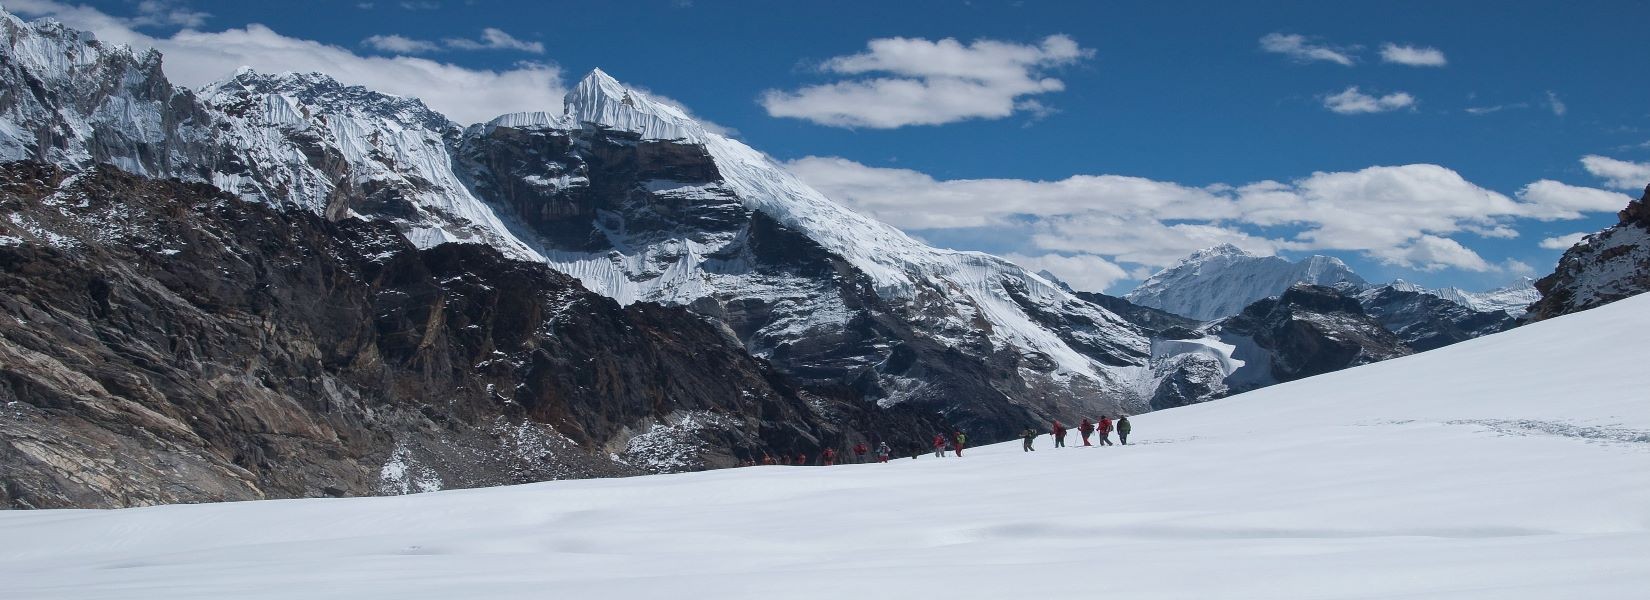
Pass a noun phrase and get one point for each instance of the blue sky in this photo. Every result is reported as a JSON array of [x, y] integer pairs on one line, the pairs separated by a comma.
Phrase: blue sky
[[1099, 140]]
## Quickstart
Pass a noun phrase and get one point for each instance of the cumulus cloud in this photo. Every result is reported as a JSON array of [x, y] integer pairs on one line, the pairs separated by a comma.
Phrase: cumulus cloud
[[195, 58], [1550, 200], [1619, 174], [1405, 215], [1414, 56], [927, 82], [1563, 242], [1297, 47], [1351, 101], [1085, 272]]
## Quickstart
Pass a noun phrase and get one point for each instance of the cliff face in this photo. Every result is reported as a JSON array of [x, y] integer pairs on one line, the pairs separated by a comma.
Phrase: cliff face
[[166, 342], [1603, 268], [1309, 330]]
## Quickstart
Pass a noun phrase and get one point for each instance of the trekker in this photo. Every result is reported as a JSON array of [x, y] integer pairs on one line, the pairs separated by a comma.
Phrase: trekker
[[957, 441], [883, 452], [1105, 430], [830, 456], [801, 459], [767, 459], [1029, 435], [939, 446], [1086, 429], [859, 453], [1059, 434], [1123, 429], [916, 450]]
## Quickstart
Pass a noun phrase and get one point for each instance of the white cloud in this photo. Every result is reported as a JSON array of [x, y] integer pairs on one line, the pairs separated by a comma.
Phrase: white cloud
[[1404, 215], [1433, 253], [1351, 101], [195, 58], [493, 38], [1563, 242], [1297, 47], [1555, 104], [399, 44], [164, 13], [1414, 56], [930, 83], [1619, 174], [1550, 199], [1085, 272], [1484, 110]]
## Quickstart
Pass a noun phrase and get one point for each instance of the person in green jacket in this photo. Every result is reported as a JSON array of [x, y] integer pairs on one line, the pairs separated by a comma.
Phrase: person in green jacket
[[1123, 429], [1029, 434]]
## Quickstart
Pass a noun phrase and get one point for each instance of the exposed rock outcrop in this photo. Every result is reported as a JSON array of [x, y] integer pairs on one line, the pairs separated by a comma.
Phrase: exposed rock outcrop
[[166, 342], [1309, 330], [1602, 268]]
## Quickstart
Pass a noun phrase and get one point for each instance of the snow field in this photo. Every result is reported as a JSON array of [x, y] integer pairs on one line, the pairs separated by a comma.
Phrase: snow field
[[1511, 466]]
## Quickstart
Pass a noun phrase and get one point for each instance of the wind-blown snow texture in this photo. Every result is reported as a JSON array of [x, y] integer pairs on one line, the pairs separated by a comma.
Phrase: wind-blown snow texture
[[1506, 467], [1220, 281]]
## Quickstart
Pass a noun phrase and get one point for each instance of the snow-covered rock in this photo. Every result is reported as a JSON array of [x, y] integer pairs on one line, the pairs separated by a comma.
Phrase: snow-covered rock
[[1512, 298], [1220, 281], [1602, 268]]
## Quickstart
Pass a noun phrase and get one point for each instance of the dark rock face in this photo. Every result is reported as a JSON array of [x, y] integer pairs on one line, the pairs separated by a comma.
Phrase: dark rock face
[[1309, 330], [1425, 322], [165, 342], [1603, 268], [1160, 323]]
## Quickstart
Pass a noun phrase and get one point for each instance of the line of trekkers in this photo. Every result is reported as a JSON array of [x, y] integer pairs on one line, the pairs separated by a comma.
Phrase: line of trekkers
[[1087, 429], [955, 443]]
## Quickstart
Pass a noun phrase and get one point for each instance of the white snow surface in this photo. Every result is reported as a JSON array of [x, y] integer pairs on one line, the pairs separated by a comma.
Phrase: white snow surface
[[1220, 281], [1511, 466]]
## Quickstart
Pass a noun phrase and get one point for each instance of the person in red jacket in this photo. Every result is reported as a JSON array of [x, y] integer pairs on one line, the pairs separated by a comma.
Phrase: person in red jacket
[[859, 452], [829, 457], [1059, 434], [939, 446], [1105, 430], [1086, 429]]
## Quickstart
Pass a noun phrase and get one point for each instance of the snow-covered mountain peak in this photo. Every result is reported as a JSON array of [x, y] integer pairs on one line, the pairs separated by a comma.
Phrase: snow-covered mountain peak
[[1221, 250], [601, 100], [1220, 281], [324, 94]]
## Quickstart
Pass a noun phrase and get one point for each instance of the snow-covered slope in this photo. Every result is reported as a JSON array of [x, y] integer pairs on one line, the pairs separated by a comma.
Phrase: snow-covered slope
[[1218, 282], [642, 203], [1506, 467]]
